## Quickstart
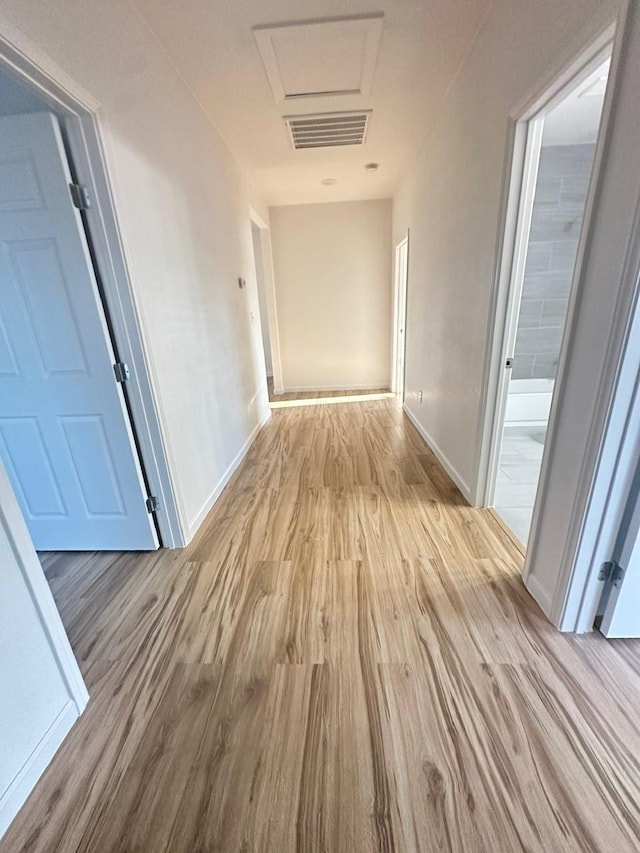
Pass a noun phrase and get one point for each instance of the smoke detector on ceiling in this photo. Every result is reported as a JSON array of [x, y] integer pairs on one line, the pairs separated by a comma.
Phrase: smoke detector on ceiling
[[328, 182], [372, 167], [328, 130]]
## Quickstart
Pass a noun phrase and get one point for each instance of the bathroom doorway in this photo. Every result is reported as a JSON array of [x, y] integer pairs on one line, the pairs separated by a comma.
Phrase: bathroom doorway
[[559, 163]]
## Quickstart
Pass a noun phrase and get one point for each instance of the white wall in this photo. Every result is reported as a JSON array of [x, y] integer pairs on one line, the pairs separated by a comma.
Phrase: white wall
[[183, 206], [450, 201], [332, 267]]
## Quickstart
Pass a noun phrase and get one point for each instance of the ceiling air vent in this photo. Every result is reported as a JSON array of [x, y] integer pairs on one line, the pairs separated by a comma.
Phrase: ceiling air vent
[[328, 130]]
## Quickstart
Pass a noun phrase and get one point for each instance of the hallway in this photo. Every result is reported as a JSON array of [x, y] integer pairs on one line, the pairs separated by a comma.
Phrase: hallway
[[344, 659]]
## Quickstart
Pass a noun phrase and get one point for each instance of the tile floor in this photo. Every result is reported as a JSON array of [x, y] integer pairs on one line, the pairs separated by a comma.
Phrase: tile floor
[[518, 474]]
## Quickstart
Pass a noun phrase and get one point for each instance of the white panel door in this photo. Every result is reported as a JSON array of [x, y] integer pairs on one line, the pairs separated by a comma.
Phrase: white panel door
[[65, 436], [622, 610]]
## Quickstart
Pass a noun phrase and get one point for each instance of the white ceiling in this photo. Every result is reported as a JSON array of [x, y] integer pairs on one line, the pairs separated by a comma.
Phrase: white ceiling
[[214, 44], [575, 120]]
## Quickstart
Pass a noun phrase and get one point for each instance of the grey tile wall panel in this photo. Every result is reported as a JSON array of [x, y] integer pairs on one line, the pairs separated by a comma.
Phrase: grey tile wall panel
[[561, 190], [539, 257], [554, 312], [545, 366], [522, 367], [550, 285], [541, 341], [563, 255], [530, 316]]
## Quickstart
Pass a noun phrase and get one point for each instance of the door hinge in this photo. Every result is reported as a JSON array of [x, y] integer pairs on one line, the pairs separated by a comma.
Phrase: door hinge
[[121, 370], [152, 503], [80, 196], [611, 572]]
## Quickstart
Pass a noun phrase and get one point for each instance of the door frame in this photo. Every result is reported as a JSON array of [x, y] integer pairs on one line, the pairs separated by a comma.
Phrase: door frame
[[529, 143], [400, 293], [83, 137], [525, 130], [270, 294]]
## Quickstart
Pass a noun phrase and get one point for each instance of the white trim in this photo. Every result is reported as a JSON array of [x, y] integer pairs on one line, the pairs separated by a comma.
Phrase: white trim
[[294, 389], [237, 460], [81, 123], [24, 782], [441, 457]]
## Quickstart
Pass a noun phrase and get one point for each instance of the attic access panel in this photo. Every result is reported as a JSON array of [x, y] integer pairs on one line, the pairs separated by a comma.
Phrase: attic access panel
[[320, 58]]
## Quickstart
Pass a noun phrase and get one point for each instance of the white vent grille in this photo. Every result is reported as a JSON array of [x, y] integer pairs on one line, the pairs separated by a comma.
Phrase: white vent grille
[[328, 130]]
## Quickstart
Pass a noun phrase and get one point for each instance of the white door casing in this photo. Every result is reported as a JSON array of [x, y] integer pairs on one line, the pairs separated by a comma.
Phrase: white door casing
[[65, 435]]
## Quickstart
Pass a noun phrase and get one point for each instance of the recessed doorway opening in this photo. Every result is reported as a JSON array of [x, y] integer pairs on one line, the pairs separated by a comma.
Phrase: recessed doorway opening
[[557, 173], [400, 281]]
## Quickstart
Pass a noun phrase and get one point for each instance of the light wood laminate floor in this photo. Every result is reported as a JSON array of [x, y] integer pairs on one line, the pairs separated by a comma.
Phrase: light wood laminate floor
[[344, 660]]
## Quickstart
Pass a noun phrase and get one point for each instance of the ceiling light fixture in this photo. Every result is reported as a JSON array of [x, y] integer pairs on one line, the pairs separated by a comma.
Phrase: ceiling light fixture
[[328, 182]]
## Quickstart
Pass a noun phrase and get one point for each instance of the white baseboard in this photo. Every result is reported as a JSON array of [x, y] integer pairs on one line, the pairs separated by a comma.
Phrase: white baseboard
[[293, 389], [24, 782], [441, 457], [215, 494]]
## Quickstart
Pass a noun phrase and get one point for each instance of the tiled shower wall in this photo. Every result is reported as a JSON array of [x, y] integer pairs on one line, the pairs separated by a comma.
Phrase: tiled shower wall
[[561, 191]]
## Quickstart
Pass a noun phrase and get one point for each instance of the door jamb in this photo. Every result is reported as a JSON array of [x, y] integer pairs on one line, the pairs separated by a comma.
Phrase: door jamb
[[398, 286], [80, 116]]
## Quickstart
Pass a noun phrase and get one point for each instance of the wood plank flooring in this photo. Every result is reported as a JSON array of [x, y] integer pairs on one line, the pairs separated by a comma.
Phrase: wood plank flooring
[[345, 659]]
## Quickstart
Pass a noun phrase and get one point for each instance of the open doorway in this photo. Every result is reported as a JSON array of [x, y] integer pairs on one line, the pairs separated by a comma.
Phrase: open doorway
[[262, 302], [557, 174], [261, 242], [401, 271], [67, 439]]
